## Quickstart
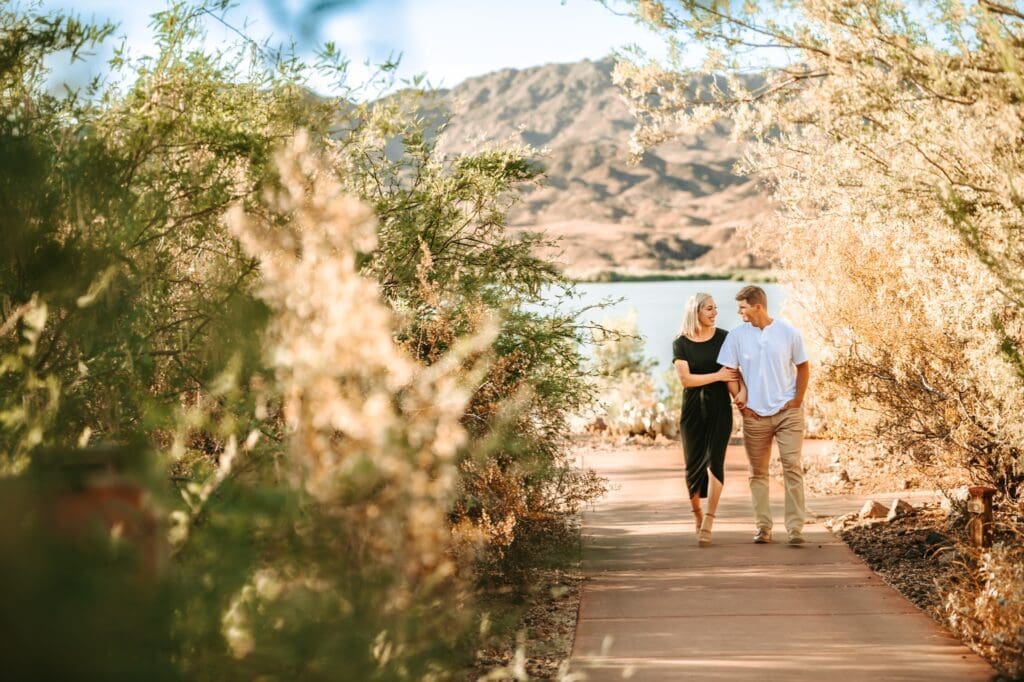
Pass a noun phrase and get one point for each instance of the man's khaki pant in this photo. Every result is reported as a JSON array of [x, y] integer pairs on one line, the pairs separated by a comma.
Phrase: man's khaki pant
[[788, 429]]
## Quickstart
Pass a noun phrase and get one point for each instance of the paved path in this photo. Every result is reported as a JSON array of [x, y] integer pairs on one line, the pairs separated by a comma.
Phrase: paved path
[[657, 607]]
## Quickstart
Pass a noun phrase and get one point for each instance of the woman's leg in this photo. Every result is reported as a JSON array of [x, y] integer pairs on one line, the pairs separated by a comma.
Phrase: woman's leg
[[714, 492], [698, 515], [716, 459], [695, 455], [719, 432]]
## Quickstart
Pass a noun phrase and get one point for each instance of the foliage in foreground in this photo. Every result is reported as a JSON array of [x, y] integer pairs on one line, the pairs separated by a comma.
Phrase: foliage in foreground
[[308, 436], [891, 138]]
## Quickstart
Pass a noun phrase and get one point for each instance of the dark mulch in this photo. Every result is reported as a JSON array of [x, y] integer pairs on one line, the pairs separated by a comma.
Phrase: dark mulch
[[918, 555], [915, 554]]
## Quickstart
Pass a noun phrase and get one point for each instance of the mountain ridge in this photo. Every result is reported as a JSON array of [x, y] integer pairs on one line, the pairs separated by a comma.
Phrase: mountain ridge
[[676, 211]]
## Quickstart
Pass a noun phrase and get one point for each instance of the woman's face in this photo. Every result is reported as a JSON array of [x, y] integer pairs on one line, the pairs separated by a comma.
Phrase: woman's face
[[707, 313]]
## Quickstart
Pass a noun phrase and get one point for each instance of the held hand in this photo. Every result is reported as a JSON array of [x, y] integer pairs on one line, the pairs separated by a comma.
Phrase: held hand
[[740, 399], [747, 412], [728, 374]]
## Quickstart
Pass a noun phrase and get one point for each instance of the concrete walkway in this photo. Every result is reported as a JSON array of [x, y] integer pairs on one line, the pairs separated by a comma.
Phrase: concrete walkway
[[657, 607]]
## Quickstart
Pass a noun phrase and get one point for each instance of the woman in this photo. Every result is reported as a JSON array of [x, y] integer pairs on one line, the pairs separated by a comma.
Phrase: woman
[[706, 420]]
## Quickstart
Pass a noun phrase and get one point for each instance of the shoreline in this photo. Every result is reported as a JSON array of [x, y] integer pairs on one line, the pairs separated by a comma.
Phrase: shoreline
[[752, 275]]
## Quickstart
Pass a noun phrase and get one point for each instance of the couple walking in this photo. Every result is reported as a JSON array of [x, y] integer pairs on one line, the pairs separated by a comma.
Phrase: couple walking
[[762, 366]]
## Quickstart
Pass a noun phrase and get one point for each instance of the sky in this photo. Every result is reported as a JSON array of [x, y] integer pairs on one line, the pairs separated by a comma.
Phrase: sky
[[447, 40]]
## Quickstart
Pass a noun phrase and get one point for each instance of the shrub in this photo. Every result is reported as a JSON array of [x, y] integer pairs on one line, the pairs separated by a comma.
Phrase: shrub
[[445, 262], [987, 607], [628, 400], [337, 410]]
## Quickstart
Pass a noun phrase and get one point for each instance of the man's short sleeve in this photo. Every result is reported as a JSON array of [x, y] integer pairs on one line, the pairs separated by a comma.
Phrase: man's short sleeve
[[799, 354], [729, 355]]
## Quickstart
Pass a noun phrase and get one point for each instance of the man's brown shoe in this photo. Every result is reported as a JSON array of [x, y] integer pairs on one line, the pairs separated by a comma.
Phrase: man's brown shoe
[[764, 536]]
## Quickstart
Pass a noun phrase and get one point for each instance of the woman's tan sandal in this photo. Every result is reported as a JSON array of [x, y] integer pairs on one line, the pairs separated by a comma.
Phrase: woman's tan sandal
[[704, 534]]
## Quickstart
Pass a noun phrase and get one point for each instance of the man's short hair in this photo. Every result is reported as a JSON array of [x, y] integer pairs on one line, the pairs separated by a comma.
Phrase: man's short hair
[[753, 295]]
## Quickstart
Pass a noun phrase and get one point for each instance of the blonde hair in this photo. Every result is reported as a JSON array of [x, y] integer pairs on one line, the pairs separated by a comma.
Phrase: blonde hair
[[691, 323]]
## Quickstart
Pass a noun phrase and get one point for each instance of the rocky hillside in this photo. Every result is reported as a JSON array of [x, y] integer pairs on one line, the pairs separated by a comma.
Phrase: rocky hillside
[[677, 210]]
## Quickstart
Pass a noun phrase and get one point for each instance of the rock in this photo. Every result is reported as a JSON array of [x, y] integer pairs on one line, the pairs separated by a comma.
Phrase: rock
[[873, 509], [956, 498], [840, 479], [899, 508]]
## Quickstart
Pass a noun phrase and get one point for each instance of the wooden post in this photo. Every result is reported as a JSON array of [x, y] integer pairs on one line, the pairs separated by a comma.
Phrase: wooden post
[[100, 488], [979, 515], [112, 502]]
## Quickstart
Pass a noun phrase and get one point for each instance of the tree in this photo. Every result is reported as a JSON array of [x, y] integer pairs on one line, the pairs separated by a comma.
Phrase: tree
[[321, 458]]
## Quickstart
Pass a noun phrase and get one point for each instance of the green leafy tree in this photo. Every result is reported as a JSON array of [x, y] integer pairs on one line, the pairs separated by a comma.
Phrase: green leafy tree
[[331, 466]]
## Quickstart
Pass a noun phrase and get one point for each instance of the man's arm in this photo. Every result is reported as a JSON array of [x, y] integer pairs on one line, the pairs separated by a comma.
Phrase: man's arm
[[803, 376], [803, 370], [734, 388], [728, 356], [738, 391]]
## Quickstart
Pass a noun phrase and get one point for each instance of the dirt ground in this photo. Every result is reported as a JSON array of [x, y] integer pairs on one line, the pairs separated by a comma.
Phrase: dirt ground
[[537, 643]]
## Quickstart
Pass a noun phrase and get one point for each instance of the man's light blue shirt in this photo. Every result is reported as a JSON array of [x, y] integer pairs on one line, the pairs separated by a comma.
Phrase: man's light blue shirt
[[767, 359]]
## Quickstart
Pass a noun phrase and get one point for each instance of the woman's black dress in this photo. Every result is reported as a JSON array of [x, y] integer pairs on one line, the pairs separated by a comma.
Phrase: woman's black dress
[[706, 419]]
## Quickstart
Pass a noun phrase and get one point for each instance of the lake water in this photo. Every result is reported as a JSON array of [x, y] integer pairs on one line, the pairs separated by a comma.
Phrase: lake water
[[659, 308]]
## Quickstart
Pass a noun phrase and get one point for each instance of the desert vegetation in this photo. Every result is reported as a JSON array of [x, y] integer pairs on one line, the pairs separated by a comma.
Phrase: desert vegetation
[[280, 398], [890, 136], [628, 399]]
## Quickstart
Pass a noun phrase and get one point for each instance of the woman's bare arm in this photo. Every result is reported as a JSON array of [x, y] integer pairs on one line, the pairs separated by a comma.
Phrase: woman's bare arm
[[690, 380]]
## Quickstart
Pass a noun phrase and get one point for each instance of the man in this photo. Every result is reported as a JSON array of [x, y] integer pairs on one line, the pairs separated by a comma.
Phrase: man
[[770, 356]]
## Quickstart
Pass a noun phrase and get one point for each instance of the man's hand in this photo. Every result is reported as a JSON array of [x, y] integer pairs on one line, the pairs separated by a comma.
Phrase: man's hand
[[740, 399], [793, 404]]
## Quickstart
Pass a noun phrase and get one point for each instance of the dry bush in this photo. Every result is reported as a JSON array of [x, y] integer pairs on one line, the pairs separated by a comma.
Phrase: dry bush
[[445, 262], [987, 607], [627, 399], [372, 435]]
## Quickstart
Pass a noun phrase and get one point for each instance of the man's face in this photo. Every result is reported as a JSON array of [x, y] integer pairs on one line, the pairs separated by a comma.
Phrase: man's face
[[745, 310]]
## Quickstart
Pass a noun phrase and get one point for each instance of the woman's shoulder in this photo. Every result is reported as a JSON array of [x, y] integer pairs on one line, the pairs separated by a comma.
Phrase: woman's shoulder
[[679, 351]]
